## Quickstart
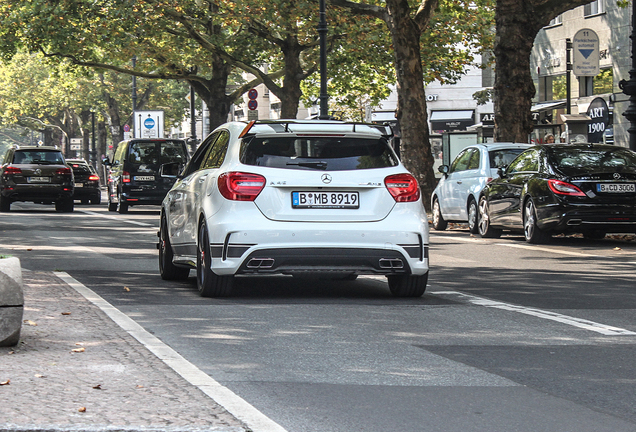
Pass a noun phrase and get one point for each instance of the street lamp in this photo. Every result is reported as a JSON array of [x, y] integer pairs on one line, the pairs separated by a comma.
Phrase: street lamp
[[629, 88], [322, 31]]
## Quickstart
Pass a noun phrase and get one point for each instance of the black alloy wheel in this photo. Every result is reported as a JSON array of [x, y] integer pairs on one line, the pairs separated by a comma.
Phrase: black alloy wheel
[[208, 283]]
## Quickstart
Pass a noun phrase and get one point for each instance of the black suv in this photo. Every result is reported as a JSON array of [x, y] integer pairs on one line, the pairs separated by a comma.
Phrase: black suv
[[143, 171], [86, 182], [36, 174]]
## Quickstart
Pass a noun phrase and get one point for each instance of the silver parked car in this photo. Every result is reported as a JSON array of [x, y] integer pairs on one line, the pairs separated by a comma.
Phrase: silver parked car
[[456, 196]]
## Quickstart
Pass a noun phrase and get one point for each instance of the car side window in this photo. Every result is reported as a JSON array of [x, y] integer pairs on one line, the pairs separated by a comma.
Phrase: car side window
[[214, 158], [527, 161], [119, 153], [475, 160], [199, 155], [461, 161]]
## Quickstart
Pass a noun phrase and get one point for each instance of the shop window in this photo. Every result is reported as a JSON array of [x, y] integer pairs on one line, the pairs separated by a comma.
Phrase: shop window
[[602, 83], [553, 87]]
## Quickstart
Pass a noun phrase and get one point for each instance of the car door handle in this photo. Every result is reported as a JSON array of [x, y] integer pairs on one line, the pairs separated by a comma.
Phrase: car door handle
[[459, 182]]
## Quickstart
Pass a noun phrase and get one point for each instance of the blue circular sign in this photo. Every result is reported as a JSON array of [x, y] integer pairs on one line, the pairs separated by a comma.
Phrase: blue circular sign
[[149, 123], [252, 105]]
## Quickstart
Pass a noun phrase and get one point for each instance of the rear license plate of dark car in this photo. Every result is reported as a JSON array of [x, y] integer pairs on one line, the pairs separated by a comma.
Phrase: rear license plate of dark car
[[39, 179], [616, 187], [326, 200], [144, 178]]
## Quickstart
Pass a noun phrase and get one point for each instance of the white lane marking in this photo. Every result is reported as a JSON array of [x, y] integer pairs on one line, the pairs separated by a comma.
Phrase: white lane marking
[[225, 397], [116, 218], [530, 247], [564, 319]]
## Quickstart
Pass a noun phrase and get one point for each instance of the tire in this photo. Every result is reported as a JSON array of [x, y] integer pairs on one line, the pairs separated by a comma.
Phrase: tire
[[208, 283], [473, 216], [97, 199], [485, 229], [65, 205], [112, 206], [167, 269], [5, 204], [407, 285], [122, 207], [594, 235], [439, 224], [85, 201], [531, 231]]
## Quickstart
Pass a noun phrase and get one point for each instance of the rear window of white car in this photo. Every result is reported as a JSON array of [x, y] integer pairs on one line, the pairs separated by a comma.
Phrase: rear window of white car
[[322, 153]]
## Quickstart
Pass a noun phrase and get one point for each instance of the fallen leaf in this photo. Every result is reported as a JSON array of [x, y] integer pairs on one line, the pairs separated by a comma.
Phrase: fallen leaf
[[79, 350], [29, 249], [126, 288], [98, 387], [29, 322], [66, 313], [617, 248], [140, 386], [39, 376], [5, 382], [82, 409], [79, 343], [11, 352]]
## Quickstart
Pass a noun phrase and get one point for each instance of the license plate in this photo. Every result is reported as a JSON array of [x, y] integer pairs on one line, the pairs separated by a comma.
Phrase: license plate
[[326, 200], [616, 187], [39, 179], [79, 184], [144, 178]]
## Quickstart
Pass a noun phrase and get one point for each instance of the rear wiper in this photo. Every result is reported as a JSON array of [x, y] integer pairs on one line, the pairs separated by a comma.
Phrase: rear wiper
[[318, 165]]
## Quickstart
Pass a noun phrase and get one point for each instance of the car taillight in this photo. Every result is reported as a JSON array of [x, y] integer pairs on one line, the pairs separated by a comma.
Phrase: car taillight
[[238, 186], [403, 187], [63, 171], [562, 188], [125, 177], [94, 177], [12, 170]]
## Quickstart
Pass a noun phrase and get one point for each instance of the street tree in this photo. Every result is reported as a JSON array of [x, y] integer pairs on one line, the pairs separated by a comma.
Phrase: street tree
[[517, 25], [409, 24]]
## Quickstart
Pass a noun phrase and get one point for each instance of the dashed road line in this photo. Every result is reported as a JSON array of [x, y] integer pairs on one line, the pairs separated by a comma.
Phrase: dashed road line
[[552, 316]]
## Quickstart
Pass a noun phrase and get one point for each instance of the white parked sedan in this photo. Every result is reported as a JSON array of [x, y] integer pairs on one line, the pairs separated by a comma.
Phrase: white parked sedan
[[456, 196], [295, 197]]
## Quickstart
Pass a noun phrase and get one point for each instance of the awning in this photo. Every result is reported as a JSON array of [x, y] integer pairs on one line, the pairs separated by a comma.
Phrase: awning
[[549, 105], [452, 120]]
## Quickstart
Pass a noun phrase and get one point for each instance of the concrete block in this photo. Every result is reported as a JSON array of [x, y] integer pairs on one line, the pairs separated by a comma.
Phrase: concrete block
[[11, 301]]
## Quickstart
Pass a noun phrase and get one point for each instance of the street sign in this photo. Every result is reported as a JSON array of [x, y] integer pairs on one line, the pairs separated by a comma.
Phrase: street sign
[[599, 120], [585, 48], [252, 94], [148, 124], [252, 105]]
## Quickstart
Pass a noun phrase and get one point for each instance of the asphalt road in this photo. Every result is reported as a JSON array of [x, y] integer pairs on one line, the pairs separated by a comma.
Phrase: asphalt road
[[508, 337]]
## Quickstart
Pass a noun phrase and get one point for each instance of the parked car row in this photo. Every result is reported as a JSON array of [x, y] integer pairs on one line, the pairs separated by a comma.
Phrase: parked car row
[[546, 190]]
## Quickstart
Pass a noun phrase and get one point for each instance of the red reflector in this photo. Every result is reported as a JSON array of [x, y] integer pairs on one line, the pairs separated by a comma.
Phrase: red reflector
[[12, 170], [403, 187], [238, 186], [125, 177], [132, 199]]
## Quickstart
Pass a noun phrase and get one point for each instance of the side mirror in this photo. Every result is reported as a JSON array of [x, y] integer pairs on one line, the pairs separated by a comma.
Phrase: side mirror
[[444, 169], [105, 161], [170, 170]]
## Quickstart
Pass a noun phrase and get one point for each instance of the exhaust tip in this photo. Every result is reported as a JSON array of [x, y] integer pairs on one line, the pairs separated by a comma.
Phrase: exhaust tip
[[391, 263], [260, 263]]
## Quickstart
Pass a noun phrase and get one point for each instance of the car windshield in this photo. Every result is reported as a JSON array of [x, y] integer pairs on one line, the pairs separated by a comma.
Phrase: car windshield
[[502, 158], [579, 161], [321, 153], [41, 157], [159, 152]]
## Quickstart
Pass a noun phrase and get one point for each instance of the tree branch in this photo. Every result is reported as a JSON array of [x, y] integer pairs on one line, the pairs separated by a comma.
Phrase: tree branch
[[362, 8]]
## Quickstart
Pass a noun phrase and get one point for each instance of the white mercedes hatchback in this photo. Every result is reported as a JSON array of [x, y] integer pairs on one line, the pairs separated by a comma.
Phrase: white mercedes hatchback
[[321, 198]]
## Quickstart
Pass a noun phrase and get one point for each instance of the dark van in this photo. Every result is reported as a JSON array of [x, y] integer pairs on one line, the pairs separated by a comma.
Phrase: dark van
[[143, 171]]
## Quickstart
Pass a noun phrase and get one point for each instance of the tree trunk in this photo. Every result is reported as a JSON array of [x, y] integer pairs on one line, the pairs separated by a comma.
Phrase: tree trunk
[[290, 92], [411, 113], [514, 89]]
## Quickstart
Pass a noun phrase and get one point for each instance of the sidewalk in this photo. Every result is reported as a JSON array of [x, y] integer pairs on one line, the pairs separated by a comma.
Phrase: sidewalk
[[76, 370]]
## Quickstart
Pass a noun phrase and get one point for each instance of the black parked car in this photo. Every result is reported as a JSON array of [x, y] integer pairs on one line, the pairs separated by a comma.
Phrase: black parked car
[[36, 174], [563, 188], [143, 170], [86, 182]]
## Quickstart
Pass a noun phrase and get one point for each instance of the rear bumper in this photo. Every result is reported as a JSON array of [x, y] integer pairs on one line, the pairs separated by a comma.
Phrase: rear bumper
[[581, 218], [37, 193]]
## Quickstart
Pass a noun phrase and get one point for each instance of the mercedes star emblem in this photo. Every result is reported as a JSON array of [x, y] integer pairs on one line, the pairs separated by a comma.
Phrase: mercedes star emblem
[[617, 176], [326, 178]]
